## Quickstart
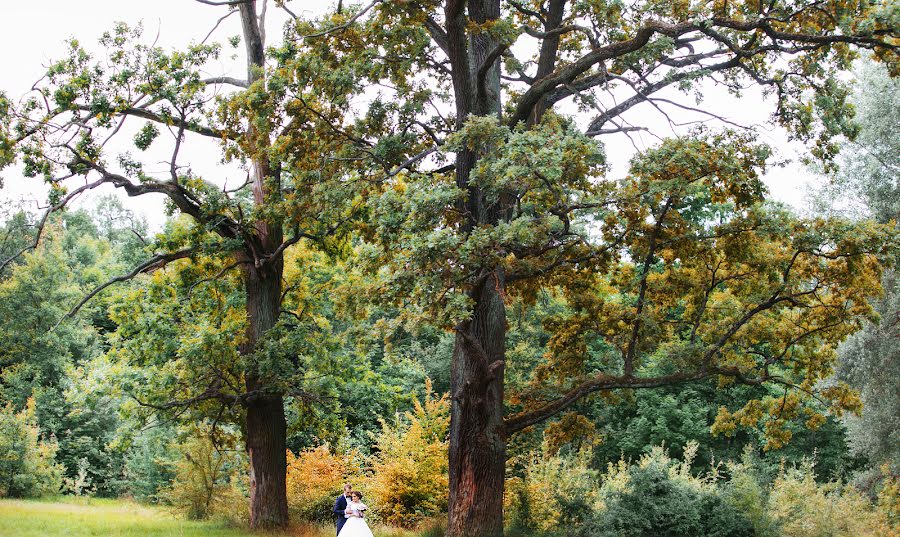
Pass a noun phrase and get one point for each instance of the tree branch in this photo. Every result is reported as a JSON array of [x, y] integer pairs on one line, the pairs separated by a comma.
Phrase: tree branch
[[155, 262], [600, 382], [226, 80], [153, 116]]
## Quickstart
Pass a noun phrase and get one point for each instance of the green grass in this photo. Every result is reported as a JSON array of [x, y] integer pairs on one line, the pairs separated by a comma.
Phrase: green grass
[[94, 517], [83, 517]]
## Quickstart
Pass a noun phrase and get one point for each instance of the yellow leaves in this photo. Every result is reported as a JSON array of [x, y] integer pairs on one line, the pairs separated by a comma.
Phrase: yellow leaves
[[537, 494], [409, 474], [801, 507], [815, 420], [842, 398], [724, 423], [777, 435]]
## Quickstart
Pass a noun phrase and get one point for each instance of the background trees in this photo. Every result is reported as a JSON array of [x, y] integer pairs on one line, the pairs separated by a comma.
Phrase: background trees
[[869, 178]]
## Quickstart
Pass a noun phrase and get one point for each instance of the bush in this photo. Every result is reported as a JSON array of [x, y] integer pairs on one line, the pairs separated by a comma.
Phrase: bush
[[409, 480], [746, 492], [208, 478], [315, 477], [552, 493], [27, 465], [149, 464], [803, 508], [660, 497]]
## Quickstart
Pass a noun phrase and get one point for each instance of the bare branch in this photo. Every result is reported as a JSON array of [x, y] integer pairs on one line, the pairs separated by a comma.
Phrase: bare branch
[[221, 19], [223, 2], [226, 80]]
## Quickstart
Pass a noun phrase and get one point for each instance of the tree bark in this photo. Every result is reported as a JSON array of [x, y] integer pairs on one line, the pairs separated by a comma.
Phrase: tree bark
[[266, 436], [265, 428], [477, 437]]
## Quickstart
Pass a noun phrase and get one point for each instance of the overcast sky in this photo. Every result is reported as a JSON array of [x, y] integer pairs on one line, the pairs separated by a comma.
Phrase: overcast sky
[[33, 33]]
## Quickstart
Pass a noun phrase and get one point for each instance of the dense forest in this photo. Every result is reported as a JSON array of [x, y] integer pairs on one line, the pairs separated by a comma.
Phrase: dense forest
[[431, 285]]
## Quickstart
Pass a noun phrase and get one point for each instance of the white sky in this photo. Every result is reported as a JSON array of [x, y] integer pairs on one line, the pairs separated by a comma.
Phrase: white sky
[[32, 34]]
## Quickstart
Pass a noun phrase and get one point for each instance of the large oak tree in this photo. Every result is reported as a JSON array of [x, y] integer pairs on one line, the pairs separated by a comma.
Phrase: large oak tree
[[676, 273]]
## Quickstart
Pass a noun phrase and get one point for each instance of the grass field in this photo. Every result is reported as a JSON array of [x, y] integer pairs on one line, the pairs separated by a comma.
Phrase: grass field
[[92, 517]]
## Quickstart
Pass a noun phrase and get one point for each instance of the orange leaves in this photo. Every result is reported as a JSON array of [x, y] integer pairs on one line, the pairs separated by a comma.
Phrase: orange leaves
[[315, 477], [569, 427]]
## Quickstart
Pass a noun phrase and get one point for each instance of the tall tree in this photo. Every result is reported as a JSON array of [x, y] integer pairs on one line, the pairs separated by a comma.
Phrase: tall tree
[[279, 124], [524, 209]]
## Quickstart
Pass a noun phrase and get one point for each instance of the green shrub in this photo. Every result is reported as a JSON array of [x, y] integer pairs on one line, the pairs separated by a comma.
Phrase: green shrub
[[149, 465], [804, 508], [27, 465], [747, 492], [659, 497]]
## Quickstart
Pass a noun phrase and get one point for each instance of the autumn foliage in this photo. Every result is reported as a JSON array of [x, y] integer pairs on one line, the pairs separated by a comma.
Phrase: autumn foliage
[[409, 469], [315, 477]]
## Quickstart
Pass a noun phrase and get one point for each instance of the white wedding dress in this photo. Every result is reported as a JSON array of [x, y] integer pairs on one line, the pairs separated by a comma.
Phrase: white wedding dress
[[356, 526]]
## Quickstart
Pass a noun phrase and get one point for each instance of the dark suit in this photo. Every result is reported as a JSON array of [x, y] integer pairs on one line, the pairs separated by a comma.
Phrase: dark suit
[[339, 506]]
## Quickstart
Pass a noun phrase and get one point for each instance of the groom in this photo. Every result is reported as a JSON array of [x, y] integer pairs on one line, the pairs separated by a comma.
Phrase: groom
[[340, 505]]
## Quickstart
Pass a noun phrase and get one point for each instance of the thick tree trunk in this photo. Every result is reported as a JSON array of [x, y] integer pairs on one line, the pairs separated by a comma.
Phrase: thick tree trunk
[[266, 436], [477, 437], [265, 428]]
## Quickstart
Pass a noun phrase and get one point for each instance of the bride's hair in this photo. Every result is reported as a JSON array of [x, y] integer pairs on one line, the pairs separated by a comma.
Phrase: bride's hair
[[357, 494]]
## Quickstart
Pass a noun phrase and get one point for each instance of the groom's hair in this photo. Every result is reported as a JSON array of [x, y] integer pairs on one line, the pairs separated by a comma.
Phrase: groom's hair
[[348, 486]]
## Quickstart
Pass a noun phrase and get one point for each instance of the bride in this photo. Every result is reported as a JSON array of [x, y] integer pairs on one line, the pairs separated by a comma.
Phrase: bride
[[356, 523]]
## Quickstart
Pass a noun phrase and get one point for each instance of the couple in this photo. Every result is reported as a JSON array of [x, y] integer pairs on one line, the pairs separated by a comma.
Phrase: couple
[[349, 512]]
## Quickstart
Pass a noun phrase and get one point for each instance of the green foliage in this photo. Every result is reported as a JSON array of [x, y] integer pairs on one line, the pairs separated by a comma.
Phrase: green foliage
[[747, 491], [58, 363], [149, 464], [675, 417], [866, 183], [86, 422], [659, 496], [680, 270], [27, 463], [552, 492]]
